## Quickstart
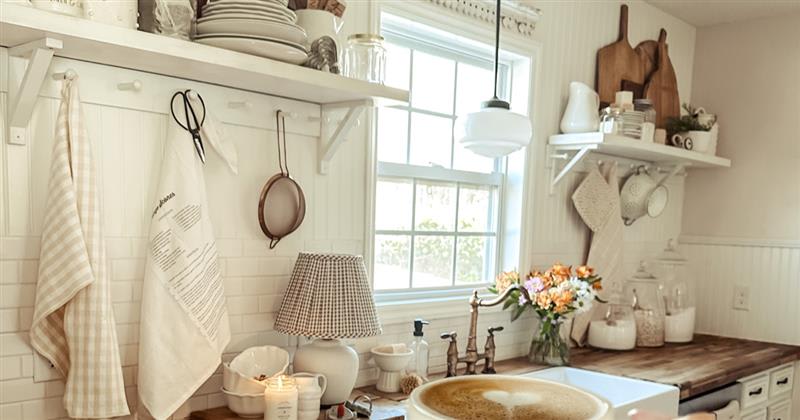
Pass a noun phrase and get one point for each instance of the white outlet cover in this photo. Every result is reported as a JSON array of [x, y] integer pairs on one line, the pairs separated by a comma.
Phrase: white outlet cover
[[741, 297], [43, 370]]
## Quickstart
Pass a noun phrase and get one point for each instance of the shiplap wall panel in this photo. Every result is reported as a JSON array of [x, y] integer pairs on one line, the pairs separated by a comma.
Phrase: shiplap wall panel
[[772, 275]]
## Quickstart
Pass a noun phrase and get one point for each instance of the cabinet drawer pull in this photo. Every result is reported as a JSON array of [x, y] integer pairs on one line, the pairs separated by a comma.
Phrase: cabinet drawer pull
[[783, 381], [756, 392]]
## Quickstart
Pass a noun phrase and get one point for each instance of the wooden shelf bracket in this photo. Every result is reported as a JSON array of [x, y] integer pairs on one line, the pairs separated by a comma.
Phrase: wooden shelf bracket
[[328, 146], [23, 95]]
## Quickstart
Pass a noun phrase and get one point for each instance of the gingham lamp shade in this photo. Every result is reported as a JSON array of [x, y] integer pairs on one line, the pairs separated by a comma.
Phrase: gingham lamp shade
[[328, 296]]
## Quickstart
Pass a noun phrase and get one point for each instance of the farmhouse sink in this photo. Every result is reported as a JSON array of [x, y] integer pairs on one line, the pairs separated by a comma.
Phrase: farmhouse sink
[[624, 394]]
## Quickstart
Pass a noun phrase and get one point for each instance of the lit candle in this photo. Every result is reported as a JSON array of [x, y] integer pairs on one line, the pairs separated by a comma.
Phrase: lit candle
[[280, 397]]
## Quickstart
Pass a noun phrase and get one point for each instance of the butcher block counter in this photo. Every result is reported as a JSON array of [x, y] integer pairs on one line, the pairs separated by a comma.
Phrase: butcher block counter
[[705, 364]]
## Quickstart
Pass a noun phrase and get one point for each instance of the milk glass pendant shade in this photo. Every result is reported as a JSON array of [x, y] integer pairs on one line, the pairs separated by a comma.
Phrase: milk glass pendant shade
[[494, 131]]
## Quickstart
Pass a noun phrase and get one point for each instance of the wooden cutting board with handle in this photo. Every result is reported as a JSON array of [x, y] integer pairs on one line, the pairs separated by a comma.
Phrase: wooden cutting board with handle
[[617, 62], [662, 86]]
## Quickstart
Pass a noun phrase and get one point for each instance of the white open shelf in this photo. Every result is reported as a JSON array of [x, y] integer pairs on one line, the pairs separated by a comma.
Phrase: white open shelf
[[625, 147], [630, 148], [106, 44]]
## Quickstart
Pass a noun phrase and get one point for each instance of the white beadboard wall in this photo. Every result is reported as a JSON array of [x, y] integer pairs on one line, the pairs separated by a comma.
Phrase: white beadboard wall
[[771, 274], [127, 131]]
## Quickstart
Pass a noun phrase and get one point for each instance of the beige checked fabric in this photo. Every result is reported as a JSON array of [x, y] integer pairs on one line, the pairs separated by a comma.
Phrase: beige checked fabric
[[73, 322], [328, 296]]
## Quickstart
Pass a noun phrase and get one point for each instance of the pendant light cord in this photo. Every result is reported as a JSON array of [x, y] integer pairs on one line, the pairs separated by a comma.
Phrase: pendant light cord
[[496, 46]]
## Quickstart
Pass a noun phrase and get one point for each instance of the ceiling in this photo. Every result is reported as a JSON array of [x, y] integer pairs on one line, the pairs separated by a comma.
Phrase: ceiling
[[713, 12]]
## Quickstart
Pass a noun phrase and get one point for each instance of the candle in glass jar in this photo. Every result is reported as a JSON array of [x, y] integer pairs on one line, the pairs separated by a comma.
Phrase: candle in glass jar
[[280, 397]]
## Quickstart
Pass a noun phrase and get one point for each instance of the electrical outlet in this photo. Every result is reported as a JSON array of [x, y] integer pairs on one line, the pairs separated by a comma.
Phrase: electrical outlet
[[43, 370], [741, 297]]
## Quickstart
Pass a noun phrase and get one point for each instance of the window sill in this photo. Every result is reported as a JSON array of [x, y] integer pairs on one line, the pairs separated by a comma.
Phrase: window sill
[[407, 311]]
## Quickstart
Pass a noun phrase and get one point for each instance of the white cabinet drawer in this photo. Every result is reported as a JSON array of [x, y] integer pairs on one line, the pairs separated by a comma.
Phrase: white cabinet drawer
[[760, 414], [755, 391], [781, 410], [780, 380]]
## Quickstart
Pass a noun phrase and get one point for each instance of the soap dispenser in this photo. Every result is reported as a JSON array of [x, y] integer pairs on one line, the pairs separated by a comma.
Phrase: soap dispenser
[[419, 362]]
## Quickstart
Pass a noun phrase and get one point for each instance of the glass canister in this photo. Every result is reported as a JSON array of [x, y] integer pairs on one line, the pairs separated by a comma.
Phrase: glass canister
[[610, 120], [645, 292], [649, 124], [365, 58], [680, 307], [617, 329]]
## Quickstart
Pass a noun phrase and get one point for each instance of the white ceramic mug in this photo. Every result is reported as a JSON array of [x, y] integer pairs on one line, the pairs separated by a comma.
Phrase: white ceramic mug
[[310, 387]]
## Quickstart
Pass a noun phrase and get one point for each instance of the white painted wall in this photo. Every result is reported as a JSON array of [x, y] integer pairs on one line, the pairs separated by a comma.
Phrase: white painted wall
[[743, 223], [128, 130]]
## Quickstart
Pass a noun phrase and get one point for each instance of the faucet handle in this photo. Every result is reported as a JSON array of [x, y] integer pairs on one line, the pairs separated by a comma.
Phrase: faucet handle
[[451, 335], [493, 329]]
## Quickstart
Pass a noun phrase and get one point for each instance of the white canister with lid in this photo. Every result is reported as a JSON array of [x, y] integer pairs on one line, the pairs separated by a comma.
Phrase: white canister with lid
[[310, 388]]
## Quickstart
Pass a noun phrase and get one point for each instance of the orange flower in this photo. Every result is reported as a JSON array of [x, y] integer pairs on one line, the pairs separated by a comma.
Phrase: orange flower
[[584, 271], [597, 286], [505, 279], [561, 270]]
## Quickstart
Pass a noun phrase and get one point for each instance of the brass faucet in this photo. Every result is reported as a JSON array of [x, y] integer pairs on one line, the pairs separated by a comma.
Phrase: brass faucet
[[472, 356]]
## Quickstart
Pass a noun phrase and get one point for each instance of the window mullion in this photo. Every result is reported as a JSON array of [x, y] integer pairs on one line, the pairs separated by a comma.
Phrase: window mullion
[[453, 122], [408, 113], [413, 229], [455, 238]]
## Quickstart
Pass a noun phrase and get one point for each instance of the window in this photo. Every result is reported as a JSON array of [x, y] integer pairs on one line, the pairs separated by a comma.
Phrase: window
[[438, 206]]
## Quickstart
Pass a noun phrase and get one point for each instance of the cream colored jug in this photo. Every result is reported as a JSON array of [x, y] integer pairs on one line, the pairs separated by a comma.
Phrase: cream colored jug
[[581, 115], [310, 387]]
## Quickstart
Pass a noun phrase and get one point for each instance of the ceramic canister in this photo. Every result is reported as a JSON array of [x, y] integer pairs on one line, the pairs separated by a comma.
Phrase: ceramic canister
[[310, 387]]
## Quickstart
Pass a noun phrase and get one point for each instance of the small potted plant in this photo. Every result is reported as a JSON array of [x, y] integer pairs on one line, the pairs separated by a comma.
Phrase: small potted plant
[[554, 294], [693, 130]]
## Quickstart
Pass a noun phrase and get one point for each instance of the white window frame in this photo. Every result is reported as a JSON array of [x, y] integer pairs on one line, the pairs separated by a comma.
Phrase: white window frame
[[513, 250]]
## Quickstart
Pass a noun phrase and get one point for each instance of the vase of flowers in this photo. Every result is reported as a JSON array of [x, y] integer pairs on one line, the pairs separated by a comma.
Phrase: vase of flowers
[[552, 295]]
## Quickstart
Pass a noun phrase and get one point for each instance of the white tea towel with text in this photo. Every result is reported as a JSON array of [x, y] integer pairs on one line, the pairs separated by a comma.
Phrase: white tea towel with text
[[184, 324]]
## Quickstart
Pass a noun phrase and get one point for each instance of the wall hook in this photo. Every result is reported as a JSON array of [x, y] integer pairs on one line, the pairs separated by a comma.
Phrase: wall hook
[[69, 74], [135, 86]]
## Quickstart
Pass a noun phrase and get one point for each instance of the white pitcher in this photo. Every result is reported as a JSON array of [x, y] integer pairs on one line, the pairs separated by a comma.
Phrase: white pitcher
[[581, 115], [310, 387]]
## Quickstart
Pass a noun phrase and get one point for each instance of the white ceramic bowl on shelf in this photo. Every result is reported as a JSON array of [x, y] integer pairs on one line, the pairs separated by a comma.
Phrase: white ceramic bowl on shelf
[[240, 376], [249, 406]]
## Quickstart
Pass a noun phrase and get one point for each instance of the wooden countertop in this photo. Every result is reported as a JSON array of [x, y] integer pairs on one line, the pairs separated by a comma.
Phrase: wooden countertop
[[702, 365]]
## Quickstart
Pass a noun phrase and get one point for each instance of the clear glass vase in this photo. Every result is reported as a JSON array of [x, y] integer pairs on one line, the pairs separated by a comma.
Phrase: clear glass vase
[[548, 346]]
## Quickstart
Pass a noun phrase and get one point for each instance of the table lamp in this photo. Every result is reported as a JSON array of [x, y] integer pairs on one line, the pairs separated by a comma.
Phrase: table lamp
[[329, 298]]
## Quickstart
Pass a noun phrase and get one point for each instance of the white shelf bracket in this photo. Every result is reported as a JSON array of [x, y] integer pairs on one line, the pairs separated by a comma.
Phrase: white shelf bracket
[[22, 96], [571, 162], [328, 147]]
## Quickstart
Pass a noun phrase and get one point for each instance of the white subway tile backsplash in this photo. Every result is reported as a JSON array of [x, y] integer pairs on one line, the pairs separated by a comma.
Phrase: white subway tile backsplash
[[257, 322], [10, 368], [14, 344], [20, 390], [127, 269], [9, 320], [243, 305], [258, 285], [29, 271], [11, 411], [16, 295], [46, 409], [19, 248], [9, 271]]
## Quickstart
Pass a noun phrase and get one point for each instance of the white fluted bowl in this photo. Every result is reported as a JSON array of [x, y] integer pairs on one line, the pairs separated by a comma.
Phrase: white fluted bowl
[[240, 375]]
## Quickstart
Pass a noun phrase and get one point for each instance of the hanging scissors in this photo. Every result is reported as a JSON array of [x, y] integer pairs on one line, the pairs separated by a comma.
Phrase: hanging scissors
[[188, 110]]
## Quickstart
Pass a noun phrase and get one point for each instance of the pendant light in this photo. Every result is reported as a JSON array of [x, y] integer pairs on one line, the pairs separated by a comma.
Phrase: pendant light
[[494, 131]]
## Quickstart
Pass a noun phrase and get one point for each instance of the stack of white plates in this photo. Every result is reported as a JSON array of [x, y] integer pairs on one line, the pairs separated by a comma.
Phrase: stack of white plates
[[265, 28], [632, 123]]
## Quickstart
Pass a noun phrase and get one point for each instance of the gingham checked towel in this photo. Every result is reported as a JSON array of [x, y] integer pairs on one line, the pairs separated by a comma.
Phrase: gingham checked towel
[[184, 327], [73, 322]]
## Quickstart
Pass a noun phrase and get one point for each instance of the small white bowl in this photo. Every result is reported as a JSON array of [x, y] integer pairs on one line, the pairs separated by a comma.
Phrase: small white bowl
[[240, 376], [250, 406]]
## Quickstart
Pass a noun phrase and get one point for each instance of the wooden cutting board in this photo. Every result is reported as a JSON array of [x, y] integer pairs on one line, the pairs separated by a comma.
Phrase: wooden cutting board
[[617, 62], [662, 86], [648, 53]]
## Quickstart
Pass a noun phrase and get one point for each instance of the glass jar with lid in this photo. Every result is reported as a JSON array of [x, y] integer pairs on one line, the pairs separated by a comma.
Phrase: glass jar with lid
[[680, 307], [649, 124], [645, 292], [365, 58], [617, 329]]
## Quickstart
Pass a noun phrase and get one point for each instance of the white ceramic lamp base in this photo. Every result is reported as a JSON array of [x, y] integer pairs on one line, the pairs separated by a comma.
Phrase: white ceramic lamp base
[[338, 362]]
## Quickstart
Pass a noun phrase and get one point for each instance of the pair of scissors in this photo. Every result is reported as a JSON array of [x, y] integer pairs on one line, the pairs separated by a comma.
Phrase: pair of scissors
[[188, 110]]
